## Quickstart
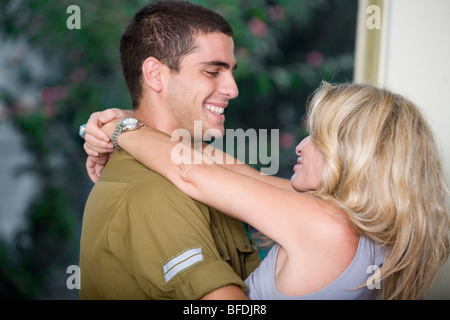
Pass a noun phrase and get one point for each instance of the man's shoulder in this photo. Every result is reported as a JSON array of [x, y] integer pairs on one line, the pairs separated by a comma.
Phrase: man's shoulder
[[124, 169], [121, 167], [135, 184]]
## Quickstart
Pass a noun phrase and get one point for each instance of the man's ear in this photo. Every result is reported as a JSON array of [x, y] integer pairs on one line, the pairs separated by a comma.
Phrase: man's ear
[[151, 73]]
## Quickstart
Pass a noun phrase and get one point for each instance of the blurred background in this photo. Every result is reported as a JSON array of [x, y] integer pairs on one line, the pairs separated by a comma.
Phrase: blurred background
[[52, 78]]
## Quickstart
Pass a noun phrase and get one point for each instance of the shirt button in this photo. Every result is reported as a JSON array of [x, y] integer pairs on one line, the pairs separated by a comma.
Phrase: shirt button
[[221, 252]]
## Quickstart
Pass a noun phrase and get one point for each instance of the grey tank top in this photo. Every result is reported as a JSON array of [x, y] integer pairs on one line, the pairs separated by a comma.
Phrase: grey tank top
[[368, 258]]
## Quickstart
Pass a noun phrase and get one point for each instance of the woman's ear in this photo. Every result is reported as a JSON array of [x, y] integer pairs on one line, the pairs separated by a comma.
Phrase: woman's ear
[[151, 74]]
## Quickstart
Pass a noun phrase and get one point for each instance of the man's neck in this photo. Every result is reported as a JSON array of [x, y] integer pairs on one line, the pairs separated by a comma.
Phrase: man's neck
[[156, 120]]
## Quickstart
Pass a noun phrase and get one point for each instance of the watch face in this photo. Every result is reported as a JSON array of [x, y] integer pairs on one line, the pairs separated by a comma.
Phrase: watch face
[[130, 121]]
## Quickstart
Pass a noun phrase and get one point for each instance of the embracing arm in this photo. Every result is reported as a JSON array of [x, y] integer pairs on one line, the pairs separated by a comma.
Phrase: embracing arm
[[228, 292], [272, 210], [97, 144], [98, 148], [237, 166]]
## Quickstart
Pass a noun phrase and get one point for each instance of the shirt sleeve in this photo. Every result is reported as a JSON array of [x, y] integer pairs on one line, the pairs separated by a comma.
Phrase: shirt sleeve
[[164, 239]]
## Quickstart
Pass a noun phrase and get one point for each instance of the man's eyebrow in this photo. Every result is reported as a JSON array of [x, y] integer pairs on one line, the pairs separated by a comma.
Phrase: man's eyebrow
[[218, 63]]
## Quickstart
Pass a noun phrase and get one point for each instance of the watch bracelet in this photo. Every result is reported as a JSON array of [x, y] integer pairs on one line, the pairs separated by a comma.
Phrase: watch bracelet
[[115, 136]]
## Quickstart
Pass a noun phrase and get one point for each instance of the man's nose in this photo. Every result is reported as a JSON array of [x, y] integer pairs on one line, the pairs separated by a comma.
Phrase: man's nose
[[229, 87]]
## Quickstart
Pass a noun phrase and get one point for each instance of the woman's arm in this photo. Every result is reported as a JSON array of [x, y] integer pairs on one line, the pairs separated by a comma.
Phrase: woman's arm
[[284, 216], [98, 147], [96, 141], [97, 144], [237, 166]]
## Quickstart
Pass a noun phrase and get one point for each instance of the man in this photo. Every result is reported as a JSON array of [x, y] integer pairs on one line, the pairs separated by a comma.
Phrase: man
[[141, 237]]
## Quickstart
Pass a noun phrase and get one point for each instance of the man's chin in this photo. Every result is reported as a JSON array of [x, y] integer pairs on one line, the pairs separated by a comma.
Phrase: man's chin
[[209, 130]]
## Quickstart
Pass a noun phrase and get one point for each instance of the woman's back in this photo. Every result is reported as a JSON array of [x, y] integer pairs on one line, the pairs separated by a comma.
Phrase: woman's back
[[368, 260]]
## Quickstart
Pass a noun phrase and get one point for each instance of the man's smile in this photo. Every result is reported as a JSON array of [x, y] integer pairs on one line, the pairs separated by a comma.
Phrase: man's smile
[[214, 109]]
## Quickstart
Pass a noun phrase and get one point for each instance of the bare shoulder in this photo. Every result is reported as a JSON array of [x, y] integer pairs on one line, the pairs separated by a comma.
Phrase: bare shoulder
[[332, 228], [321, 256]]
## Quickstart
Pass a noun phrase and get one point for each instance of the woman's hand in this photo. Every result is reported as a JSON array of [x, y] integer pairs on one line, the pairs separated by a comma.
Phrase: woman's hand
[[108, 128], [97, 142], [95, 165], [98, 145]]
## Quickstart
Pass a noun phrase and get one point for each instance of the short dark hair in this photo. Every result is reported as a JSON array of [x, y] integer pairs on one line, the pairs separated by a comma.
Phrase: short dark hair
[[165, 30]]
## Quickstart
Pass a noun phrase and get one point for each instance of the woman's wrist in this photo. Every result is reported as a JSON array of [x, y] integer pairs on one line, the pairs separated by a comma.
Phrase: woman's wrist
[[109, 127]]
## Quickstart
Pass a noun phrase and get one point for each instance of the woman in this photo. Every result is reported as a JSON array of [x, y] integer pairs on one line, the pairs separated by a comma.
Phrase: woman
[[369, 196]]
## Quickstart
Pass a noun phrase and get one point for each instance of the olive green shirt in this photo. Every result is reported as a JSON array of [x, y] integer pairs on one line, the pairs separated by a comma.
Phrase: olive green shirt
[[142, 238]]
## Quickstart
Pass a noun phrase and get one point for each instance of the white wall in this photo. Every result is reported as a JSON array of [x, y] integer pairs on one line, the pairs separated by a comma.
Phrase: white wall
[[417, 61], [414, 60]]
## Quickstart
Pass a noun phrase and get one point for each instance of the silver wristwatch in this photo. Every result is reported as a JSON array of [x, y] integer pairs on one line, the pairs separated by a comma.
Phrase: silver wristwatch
[[127, 124]]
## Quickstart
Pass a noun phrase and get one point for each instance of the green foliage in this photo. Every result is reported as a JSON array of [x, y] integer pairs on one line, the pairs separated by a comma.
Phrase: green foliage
[[284, 48]]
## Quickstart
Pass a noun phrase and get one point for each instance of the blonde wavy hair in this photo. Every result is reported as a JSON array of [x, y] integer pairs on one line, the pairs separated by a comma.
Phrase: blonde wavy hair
[[382, 167]]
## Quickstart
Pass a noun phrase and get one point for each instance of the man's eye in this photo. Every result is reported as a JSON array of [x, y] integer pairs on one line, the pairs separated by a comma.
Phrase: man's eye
[[212, 73]]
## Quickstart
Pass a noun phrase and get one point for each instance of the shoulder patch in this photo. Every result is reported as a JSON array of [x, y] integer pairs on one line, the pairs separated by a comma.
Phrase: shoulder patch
[[181, 262]]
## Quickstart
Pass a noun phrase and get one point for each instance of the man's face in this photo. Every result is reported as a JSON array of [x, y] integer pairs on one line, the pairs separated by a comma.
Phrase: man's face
[[202, 88]]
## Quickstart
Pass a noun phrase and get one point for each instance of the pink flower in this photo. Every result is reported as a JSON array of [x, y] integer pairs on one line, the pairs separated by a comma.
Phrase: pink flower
[[257, 27], [276, 12], [314, 58], [242, 54], [287, 140], [78, 74], [50, 95]]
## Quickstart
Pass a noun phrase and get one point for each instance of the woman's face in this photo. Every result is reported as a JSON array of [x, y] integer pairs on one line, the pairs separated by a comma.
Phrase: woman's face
[[308, 170]]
